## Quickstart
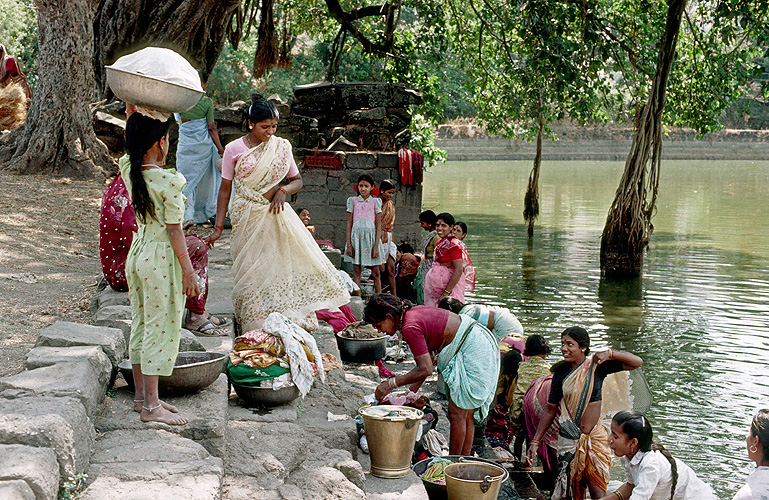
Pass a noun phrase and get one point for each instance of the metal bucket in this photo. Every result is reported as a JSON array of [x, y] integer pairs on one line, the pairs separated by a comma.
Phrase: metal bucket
[[468, 480], [391, 439]]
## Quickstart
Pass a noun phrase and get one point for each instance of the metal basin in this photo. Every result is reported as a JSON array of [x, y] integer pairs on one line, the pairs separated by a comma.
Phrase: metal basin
[[436, 491], [361, 350], [265, 396], [193, 371], [151, 92]]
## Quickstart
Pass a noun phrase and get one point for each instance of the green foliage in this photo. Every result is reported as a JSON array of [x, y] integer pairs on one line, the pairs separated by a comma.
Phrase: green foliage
[[18, 32], [71, 489], [423, 140]]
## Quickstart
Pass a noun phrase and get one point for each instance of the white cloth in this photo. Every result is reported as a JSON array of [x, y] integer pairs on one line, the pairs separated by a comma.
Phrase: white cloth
[[349, 284], [756, 486], [650, 473], [160, 64], [293, 335]]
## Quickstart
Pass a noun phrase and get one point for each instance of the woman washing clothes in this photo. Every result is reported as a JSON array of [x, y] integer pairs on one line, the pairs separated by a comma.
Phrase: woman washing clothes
[[497, 319], [467, 357], [584, 458], [276, 263]]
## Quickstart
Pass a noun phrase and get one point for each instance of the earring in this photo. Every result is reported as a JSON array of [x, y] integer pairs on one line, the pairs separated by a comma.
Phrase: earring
[[753, 449]]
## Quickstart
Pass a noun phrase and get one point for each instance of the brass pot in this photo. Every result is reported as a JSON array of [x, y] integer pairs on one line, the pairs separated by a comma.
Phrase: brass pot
[[469, 480], [391, 439]]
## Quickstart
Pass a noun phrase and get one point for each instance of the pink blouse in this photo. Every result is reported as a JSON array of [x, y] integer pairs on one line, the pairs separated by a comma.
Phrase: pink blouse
[[232, 153], [423, 328]]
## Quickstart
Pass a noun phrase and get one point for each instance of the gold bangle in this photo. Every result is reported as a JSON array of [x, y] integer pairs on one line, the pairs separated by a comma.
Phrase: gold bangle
[[391, 383], [611, 356], [533, 441], [619, 495]]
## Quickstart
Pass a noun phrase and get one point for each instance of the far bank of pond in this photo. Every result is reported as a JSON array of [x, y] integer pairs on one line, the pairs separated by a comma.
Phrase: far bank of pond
[[699, 317], [606, 143]]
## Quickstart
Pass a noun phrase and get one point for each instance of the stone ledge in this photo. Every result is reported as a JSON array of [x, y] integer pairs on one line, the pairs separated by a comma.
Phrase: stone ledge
[[67, 334], [46, 422], [37, 467], [79, 380]]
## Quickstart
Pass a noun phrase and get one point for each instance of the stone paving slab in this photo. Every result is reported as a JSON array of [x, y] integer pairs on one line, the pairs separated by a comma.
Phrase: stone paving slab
[[39, 357], [60, 424], [206, 410], [73, 379], [67, 334], [16, 490], [152, 463], [37, 467]]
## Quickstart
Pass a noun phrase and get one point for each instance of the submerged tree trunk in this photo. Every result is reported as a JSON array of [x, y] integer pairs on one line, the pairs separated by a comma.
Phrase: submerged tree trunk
[[194, 28], [628, 225], [58, 136], [531, 199]]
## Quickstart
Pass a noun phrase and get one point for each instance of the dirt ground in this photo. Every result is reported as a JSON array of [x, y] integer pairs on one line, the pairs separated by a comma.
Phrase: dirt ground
[[49, 257]]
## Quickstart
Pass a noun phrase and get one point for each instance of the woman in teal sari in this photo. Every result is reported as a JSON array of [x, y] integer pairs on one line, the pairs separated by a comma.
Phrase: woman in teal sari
[[466, 353]]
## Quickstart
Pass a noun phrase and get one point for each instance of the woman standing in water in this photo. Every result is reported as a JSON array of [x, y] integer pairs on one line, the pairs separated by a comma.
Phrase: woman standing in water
[[451, 272], [584, 458], [276, 263]]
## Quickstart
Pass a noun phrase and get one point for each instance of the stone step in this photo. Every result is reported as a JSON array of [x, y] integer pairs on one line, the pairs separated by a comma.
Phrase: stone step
[[152, 463], [35, 467], [60, 424], [206, 411]]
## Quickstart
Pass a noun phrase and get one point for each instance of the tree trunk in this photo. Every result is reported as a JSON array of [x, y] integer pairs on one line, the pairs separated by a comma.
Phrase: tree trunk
[[194, 28], [628, 225], [531, 199], [58, 136]]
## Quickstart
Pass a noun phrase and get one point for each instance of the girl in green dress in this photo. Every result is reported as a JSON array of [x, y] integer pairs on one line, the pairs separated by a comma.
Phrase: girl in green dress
[[158, 268]]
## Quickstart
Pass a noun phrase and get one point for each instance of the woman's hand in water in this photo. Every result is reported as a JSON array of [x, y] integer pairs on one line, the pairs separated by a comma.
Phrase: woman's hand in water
[[190, 285]]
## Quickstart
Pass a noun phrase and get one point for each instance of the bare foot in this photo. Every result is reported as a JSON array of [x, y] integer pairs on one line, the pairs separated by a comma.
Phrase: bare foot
[[138, 406], [160, 414]]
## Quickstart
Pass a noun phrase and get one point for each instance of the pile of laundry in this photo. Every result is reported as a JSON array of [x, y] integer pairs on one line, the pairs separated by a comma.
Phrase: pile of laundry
[[278, 355]]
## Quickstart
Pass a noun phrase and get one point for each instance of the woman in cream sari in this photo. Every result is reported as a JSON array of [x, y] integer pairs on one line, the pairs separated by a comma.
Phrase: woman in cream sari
[[584, 457], [276, 263]]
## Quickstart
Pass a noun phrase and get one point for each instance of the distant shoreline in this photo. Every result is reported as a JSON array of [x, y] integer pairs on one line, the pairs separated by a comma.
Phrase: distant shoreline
[[470, 142]]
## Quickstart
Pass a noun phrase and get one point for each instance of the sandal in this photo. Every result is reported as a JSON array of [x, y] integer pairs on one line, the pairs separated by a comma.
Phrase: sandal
[[208, 329], [219, 320]]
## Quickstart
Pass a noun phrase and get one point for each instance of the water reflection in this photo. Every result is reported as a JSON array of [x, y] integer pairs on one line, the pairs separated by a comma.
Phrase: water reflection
[[698, 317]]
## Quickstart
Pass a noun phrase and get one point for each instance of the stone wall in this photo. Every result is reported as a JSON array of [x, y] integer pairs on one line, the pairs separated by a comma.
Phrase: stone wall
[[359, 127], [469, 142]]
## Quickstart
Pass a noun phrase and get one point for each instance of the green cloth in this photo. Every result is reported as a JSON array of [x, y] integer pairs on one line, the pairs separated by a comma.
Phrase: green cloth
[[243, 374], [470, 367], [203, 109]]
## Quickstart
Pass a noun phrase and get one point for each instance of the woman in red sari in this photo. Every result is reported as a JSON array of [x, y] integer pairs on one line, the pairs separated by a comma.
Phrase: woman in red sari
[[448, 276]]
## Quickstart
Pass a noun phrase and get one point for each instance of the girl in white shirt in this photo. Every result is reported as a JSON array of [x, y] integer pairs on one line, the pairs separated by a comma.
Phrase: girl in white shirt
[[757, 485], [651, 471]]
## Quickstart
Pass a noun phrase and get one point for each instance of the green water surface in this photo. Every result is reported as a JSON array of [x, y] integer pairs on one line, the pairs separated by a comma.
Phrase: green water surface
[[699, 317]]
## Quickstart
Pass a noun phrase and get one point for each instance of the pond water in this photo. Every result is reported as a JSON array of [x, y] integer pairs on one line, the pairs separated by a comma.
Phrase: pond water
[[699, 316]]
